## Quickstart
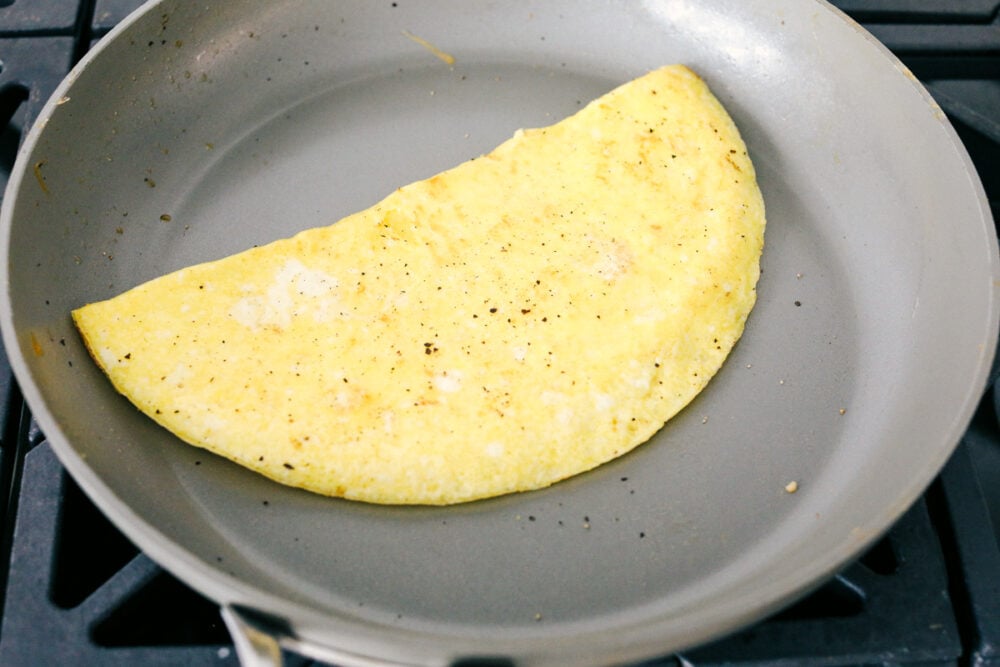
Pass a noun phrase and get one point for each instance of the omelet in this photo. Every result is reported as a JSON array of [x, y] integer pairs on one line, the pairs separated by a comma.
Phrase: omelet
[[519, 319]]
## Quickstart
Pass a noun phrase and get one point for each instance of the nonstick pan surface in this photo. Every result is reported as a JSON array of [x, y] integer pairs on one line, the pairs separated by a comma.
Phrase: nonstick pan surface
[[197, 130]]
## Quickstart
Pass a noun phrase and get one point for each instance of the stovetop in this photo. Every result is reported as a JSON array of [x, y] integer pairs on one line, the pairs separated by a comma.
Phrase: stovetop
[[74, 590]]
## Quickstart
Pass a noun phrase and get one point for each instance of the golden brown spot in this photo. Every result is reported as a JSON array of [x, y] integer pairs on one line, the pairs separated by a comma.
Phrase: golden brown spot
[[36, 347], [37, 169]]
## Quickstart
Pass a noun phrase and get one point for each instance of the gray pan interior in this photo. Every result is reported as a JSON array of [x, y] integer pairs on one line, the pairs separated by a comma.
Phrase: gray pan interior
[[247, 121]]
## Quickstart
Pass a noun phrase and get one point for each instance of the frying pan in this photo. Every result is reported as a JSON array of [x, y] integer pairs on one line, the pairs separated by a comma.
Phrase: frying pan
[[195, 130]]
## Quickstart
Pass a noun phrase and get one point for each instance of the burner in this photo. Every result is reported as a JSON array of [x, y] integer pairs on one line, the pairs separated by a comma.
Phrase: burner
[[101, 601], [39, 17], [920, 11]]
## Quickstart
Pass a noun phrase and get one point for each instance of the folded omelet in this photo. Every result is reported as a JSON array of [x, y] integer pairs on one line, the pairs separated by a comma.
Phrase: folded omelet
[[518, 319]]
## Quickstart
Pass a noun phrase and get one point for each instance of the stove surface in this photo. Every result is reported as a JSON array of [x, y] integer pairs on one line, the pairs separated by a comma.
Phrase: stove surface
[[74, 590]]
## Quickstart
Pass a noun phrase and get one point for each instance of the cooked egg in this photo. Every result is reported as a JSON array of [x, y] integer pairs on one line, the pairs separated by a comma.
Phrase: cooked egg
[[503, 325]]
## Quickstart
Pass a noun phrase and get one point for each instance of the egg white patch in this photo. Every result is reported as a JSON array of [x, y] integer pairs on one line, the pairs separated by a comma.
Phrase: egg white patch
[[295, 289], [603, 402], [495, 449], [448, 381], [108, 358]]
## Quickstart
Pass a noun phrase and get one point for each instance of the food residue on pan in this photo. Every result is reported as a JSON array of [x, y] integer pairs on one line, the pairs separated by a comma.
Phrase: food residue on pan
[[445, 57], [36, 346], [792, 487], [37, 169]]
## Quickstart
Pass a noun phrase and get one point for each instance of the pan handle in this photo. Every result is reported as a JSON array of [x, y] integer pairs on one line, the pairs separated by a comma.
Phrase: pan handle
[[259, 637], [255, 638]]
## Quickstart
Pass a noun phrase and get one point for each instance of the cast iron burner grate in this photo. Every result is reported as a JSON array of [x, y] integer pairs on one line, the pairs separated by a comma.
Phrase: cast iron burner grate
[[74, 590]]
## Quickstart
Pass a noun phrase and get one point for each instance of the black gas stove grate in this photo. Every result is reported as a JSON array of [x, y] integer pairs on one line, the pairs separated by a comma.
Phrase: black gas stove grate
[[75, 591]]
